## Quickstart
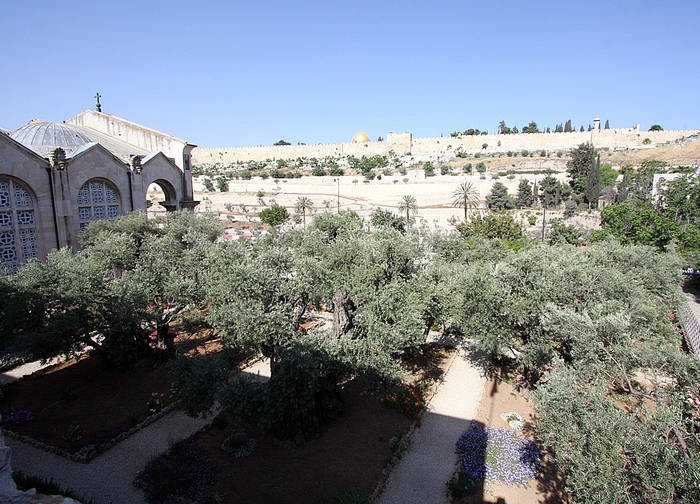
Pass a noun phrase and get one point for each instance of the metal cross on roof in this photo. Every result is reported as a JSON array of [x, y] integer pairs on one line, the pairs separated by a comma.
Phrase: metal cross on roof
[[99, 106]]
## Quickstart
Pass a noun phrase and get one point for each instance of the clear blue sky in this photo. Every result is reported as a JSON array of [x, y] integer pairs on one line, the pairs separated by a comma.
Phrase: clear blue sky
[[246, 73]]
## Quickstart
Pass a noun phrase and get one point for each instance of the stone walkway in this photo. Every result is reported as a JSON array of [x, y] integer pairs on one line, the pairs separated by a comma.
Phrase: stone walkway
[[107, 479], [419, 477], [429, 462], [26, 369]]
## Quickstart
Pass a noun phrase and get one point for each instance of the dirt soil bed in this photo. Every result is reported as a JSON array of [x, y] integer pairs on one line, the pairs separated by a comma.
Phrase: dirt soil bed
[[348, 457], [76, 404]]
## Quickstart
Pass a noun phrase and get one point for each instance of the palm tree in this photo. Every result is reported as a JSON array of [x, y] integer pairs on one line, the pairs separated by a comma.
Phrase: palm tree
[[408, 205], [465, 196], [302, 205]]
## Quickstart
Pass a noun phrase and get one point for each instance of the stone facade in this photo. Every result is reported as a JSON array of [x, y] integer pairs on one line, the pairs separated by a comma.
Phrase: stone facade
[[50, 192], [446, 147]]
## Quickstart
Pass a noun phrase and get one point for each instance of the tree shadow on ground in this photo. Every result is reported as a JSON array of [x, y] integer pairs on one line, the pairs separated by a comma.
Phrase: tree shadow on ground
[[691, 285], [551, 482]]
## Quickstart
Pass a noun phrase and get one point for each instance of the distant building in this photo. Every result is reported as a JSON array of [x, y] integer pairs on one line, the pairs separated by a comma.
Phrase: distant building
[[57, 177]]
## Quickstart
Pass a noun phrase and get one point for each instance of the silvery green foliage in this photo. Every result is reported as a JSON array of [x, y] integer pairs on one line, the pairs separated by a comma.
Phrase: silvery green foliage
[[113, 292], [609, 455], [256, 292], [588, 328]]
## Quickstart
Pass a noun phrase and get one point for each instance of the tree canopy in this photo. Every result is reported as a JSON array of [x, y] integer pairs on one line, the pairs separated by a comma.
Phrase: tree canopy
[[274, 216], [499, 199], [591, 330]]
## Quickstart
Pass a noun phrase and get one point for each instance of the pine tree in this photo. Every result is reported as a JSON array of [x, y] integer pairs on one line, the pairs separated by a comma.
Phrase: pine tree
[[499, 199]]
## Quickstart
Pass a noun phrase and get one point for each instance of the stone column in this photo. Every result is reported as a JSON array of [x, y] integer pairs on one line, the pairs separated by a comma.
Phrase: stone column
[[7, 484]]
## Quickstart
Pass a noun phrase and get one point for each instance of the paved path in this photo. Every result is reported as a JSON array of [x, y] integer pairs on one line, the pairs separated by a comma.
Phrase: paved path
[[107, 479], [26, 369], [429, 462]]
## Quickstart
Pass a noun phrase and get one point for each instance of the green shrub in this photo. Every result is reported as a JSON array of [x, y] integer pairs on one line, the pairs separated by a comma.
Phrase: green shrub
[[274, 216], [351, 497], [239, 445], [182, 472], [335, 171]]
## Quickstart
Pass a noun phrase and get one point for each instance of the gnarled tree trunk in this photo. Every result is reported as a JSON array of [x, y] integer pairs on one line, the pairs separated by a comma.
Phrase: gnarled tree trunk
[[342, 313]]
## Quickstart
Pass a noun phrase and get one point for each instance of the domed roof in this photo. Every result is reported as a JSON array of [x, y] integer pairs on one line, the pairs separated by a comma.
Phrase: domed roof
[[360, 137], [44, 136]]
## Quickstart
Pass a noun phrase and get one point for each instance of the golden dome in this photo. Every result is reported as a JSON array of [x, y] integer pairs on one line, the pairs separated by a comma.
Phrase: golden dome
[[360, 137]]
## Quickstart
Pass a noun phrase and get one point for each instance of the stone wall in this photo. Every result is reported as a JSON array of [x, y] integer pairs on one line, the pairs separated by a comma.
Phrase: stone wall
[[435, 147], [400, 143]]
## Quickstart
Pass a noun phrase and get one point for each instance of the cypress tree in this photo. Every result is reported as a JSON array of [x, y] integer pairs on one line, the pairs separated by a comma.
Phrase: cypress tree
[[524, 198], [567, 126], [607, 124], [593, 183]]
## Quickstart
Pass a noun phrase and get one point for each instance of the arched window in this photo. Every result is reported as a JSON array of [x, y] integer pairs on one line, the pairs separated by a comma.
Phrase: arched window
[[18, 229], [97, 200]]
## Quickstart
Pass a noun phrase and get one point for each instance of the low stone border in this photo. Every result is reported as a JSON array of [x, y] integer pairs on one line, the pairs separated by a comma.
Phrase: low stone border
[[406, 438], [89, 452]]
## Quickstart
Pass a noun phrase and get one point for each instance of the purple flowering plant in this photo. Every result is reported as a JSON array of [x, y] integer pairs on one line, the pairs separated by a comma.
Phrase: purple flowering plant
[[14, 418], [495, 454]]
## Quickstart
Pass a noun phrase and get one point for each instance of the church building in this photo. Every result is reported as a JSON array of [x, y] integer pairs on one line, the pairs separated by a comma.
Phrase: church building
[[57, 177]]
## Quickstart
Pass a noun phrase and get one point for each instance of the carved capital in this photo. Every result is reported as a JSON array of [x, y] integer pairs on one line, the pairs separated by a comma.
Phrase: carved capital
[[58, 159], [136, 163]]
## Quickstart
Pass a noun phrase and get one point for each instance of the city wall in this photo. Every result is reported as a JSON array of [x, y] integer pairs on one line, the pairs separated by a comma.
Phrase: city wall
[[446, 147]]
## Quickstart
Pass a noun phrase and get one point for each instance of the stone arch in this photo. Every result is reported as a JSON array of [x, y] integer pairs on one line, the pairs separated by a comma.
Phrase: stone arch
[[19, 224], [171, 195], [98, 199]]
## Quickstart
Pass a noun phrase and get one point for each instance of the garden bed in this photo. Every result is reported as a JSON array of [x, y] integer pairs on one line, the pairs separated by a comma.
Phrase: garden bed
[[80, 404], [347, 460]]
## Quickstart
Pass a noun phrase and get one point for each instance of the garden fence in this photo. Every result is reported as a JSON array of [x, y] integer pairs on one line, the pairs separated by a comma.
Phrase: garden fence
[[691, 329]]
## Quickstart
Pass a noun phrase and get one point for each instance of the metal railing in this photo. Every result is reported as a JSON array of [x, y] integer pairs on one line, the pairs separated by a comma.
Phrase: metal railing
[[691, 329]]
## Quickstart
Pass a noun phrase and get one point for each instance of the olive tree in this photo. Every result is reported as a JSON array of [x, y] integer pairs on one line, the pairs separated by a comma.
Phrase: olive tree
[[257, 296]]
